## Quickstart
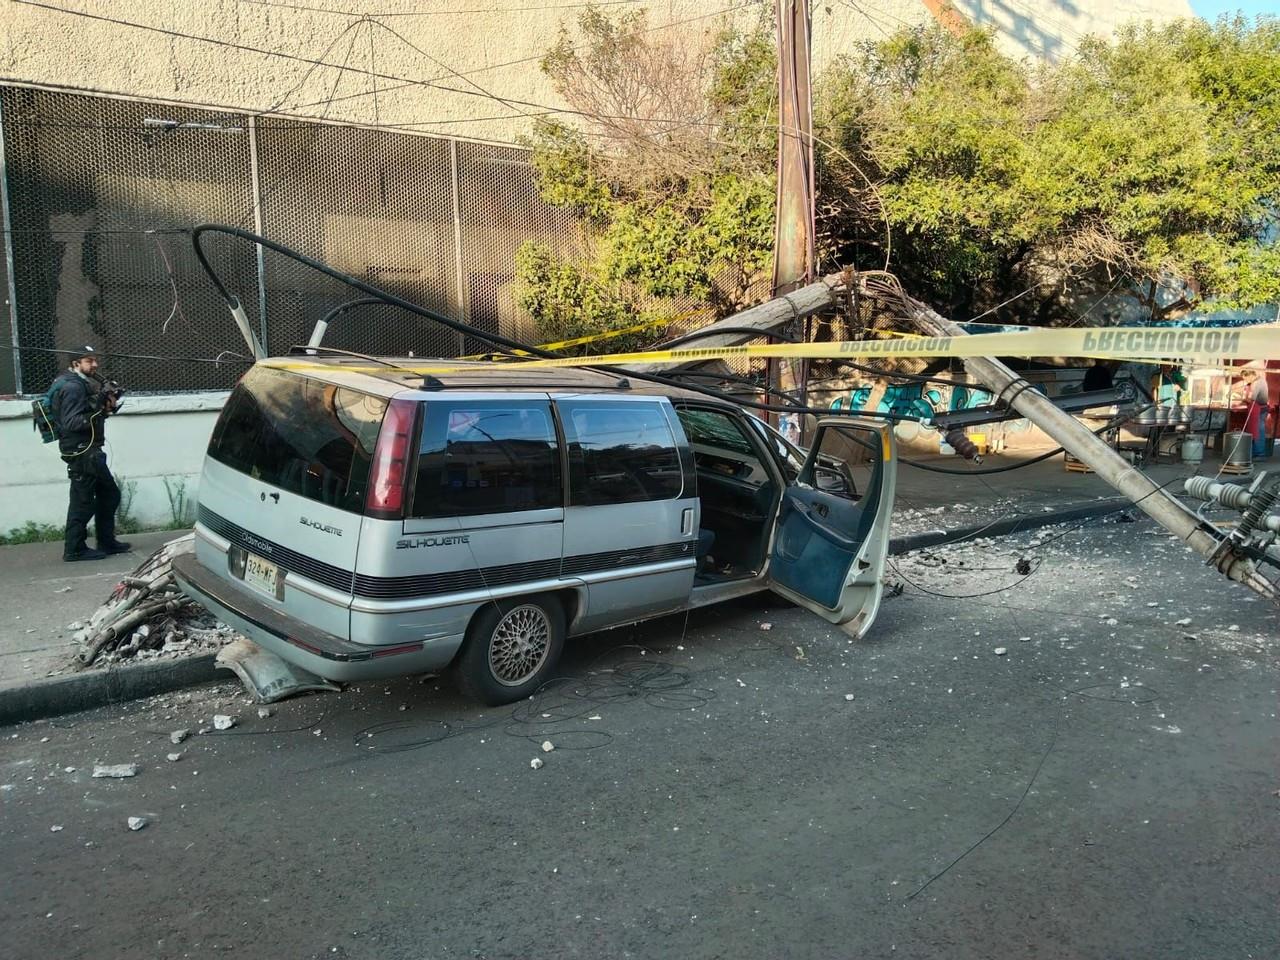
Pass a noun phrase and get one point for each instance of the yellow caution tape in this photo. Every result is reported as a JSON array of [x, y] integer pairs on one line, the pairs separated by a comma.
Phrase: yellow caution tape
[[590, 338], [1211, 345]]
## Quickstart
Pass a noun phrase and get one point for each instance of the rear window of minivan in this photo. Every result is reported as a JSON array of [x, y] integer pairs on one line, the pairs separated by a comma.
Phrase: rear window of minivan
[[485, 457], [307, 437]]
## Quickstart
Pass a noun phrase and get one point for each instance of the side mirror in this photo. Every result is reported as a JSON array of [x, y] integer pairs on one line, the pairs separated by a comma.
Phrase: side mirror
[[846, 461], [830, 479]]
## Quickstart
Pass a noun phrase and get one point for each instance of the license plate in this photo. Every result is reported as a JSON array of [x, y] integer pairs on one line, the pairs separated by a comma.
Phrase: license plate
[[262, 574]]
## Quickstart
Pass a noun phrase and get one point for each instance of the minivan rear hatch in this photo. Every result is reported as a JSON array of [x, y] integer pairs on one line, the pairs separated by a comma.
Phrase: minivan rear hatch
[[284, 486]]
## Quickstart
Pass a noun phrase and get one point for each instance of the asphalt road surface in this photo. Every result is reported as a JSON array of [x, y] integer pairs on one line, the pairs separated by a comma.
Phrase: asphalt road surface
[[1105, 788]]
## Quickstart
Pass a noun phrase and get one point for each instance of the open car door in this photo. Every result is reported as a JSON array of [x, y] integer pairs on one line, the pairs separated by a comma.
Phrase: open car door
[[832, 534]]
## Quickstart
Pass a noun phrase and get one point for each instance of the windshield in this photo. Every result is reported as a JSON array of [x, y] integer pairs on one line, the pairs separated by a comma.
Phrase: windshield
[[789, 455]]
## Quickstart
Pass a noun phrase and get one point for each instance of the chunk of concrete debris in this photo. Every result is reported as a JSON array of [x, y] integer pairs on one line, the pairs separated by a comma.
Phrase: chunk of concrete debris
[[223, 722], [848, 696], [137, 823], [265, 712], [177, 736], [1000, 651], [56, 828], [173, 757], [1234, 628], [117, 771], [1184, 622], [1024, 639], [536, 763], [547, 746], [766, 626]]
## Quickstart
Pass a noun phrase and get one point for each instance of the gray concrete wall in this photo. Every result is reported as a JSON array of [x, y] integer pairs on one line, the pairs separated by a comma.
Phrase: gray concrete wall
[[436, 69], [152, 440]]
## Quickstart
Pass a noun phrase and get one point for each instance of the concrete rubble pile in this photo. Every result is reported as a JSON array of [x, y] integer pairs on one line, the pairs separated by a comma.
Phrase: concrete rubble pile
[[148, 615]]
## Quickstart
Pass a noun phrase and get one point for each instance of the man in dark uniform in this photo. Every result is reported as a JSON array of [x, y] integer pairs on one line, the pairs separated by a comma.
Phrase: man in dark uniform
[[80, 409]]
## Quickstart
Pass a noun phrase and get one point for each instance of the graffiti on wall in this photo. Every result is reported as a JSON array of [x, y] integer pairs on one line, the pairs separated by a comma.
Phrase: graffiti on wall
[[919, 400]]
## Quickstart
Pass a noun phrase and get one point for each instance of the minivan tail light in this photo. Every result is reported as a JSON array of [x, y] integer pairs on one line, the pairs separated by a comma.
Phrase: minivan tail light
[[389, 470]]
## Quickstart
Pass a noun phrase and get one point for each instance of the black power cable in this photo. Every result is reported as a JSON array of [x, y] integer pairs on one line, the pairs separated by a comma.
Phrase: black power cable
[[708, 332], [1109, 425], [496, 339], [230, 357]]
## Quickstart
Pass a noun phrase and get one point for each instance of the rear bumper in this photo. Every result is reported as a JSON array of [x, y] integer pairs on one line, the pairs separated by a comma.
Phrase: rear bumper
[[293, 640]]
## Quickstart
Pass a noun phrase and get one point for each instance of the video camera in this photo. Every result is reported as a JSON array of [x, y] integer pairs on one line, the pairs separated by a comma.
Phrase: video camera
[[112, 394]]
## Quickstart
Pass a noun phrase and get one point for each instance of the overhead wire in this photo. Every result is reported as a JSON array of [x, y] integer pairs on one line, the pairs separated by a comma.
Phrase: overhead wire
[[400, 82], [439, 13], [538, 57], [443, 66], [466, 329], [518, 346], [262, 51], [373, 81]]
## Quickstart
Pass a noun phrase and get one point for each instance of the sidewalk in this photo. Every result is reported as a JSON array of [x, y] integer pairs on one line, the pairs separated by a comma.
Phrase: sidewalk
[[40, 595]]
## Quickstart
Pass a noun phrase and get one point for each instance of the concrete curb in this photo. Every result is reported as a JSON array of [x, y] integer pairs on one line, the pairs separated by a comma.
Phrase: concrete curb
[[100, 688], [1001, 528]]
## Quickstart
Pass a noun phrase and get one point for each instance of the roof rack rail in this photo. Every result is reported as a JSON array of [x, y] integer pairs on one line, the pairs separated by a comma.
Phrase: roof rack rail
[[428, 382]]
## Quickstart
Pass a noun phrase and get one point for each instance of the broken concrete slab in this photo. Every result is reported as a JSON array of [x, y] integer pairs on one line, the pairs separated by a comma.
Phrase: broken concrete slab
[[115, 771]]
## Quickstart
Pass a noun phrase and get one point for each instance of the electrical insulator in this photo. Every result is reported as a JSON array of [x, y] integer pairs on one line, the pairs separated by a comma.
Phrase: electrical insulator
[[959, 441]]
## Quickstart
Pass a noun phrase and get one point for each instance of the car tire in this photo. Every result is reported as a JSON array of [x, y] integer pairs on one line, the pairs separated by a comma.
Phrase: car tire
[[511, 648]]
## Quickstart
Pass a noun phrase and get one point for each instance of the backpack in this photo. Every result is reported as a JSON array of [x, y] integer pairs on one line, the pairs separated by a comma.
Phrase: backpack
[[42, 413]]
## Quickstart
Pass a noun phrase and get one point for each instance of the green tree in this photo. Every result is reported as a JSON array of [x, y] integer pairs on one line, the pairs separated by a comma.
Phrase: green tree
[[1147, 164], [671, 174]]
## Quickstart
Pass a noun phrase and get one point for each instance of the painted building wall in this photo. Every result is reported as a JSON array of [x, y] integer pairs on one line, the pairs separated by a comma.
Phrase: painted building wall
[[421, 63], [151, 441]]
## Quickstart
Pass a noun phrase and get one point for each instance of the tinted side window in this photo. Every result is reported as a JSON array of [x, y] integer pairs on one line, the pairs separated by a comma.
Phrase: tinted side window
[[304, 436], [482, 457], [619, 453]]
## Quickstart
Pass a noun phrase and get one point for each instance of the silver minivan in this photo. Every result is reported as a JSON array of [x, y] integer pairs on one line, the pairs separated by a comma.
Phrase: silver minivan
[[363, 520]]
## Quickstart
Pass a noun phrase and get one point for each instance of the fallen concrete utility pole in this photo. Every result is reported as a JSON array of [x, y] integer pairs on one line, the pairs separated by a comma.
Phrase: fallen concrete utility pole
[[1082, 443], [808, 300]]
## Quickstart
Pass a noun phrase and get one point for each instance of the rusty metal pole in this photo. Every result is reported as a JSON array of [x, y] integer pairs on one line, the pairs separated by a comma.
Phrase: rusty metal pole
[[1082, 443], [793, 237]]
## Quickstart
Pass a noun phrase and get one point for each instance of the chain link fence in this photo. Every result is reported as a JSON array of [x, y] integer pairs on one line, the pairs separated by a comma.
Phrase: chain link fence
[[101, 193]]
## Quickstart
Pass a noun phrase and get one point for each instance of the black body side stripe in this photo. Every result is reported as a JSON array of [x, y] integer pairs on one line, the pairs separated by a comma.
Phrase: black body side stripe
[[291, 560], [434, 584]]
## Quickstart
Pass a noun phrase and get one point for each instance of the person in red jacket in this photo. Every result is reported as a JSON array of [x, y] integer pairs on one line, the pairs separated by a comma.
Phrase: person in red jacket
[[1253, 390]]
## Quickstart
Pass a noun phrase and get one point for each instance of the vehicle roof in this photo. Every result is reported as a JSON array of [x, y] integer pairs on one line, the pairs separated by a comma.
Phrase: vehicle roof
[[378, 376]]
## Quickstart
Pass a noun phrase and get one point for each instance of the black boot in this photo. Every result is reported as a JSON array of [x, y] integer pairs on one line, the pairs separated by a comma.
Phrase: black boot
[[84, 553], [114, 546]]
